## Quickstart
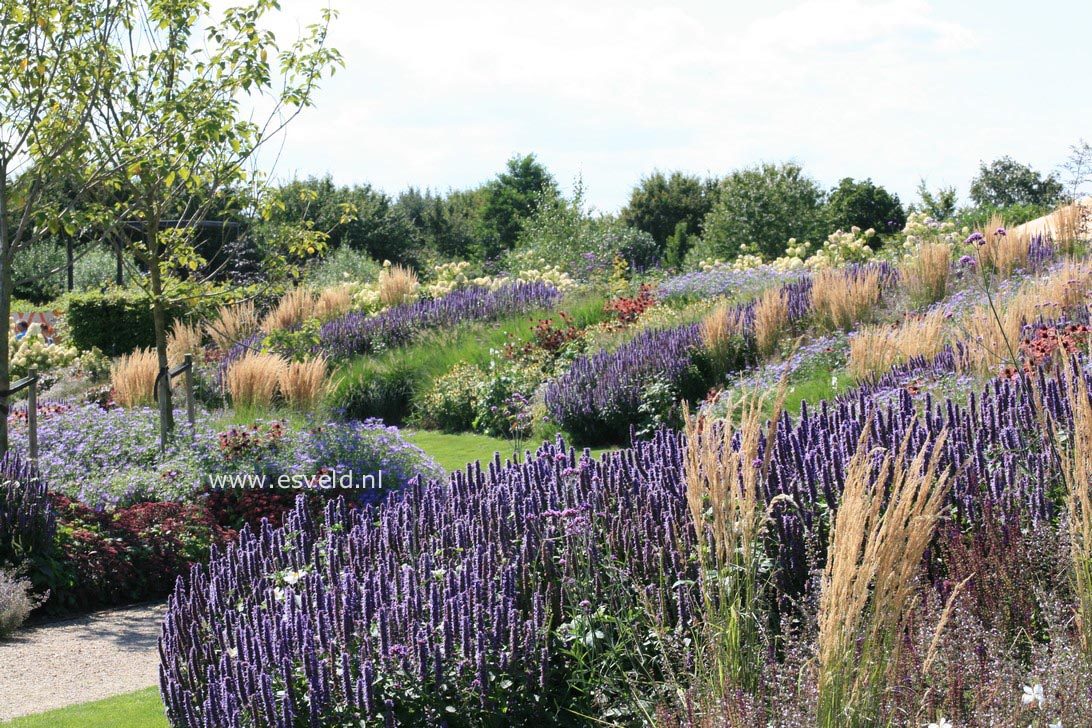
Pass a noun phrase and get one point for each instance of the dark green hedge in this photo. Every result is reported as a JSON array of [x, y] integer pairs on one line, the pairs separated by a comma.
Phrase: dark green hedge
[[117, 322]]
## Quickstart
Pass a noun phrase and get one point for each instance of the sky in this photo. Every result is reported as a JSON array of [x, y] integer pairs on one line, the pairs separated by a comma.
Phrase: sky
[[442, 94]]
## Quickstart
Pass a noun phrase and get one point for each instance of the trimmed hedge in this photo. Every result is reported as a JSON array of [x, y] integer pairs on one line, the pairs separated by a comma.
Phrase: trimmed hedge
[[117, 322]]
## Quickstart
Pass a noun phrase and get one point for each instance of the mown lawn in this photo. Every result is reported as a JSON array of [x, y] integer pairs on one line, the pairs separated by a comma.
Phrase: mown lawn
[[453, 452], [142, 709]]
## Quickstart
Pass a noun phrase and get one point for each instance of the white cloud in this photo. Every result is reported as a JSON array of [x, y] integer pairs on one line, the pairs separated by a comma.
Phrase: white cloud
[[440, 94]]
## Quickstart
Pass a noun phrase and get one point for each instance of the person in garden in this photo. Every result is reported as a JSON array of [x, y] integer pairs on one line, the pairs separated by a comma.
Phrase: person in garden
[[21, 329]]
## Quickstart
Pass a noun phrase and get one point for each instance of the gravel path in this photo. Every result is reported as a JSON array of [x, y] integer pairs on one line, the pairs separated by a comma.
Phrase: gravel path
[[54, 664]]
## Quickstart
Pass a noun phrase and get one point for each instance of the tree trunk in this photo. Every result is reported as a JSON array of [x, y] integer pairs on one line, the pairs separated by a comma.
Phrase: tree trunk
[[6, 258], [5, 327], [159, 321]]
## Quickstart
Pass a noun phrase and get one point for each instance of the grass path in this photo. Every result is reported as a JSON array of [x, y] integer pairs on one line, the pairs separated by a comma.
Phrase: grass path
[[453, 452], [140, 709]]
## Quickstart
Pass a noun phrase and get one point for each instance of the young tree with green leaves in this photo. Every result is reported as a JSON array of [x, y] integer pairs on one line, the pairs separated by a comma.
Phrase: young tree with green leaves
[[759, 208], [510, 199], [55, 60], [660, 202], [176, 121], [864, 204], [1005, 182], [939, 205]]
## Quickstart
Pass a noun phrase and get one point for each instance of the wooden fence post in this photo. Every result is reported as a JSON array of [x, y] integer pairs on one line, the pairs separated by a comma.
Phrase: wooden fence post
[[191, 410], [32, 413]]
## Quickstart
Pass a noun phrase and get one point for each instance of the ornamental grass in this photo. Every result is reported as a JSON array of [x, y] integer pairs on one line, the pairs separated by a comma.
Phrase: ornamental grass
[[771, 320], [232, 324], [293, 309], [132, 378], [1077, 473], [725, 467], [252, 380], [891, 502], [333, 302], [840, 299], [875, 349], [183, 339], [397, 284], [925, 275], [302, 383]]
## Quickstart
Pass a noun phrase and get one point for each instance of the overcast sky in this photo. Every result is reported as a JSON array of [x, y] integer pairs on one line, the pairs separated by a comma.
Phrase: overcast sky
[[441, 94]]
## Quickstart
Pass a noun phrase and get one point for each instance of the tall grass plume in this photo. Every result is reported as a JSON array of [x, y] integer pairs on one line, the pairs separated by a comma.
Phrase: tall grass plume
[[252, 380], [885, 520], [840, 299], [730, 514], [302, 382], [132, 378]]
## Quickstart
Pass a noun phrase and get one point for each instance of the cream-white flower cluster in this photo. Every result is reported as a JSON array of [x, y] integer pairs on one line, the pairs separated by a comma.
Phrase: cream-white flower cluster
[[920, 228], [33, 352], [840, 248]]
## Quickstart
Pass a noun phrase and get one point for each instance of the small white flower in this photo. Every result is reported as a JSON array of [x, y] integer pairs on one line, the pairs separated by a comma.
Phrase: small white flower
[[942, 722], [1033, 695], [232, 652], [1055, 725], [292, 577]]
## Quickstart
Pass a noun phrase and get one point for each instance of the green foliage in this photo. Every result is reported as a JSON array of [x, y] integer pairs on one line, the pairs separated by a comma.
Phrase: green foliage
[[116, 322], [510, 199], [378, 227], [33, 269], [940, 205], [759, 208], [976, 218], [865, 205], [1005, 182], [448, 225], [94, 269], [391, 384], [659, 203], [678, 245], [451, 404], [561, 233], [379, 388], [342, 265], [40, 275]]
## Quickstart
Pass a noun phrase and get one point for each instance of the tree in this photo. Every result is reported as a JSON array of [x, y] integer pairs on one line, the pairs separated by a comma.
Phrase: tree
[[759, 208], [449, 225], [379, 227], [172, 126], [659, 203], [940, 205], [1005, 182], [510, 199], [1078, 169], [678, 245], [865, 205], [54, 59]]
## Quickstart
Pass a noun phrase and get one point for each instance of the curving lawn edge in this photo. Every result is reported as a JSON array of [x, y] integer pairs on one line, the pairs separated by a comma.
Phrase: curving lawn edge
[[141, 709]]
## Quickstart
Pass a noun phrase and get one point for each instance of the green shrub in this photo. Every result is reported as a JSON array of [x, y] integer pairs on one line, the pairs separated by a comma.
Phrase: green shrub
[[36, 262], [758, 209], [383, 390], [117, 322], [342, 265], [451, 403], [94, 269]]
